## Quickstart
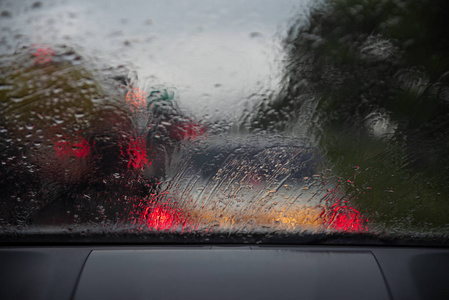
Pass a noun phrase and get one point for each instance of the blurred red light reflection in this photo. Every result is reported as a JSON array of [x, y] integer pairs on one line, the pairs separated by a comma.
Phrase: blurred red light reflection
[[160, 218], [344, 218], [66, 149], [137, 153], [187, 131], [43, 55]]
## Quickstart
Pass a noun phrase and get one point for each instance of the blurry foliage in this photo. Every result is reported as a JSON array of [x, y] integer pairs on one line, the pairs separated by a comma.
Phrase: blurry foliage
[[369, 81], [74, 140], [57, 136]]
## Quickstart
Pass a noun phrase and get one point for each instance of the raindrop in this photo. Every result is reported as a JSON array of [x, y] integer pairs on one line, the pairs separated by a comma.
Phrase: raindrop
[[16, 100], [5, 14], [255, 34], [5, 87], [37, 4]]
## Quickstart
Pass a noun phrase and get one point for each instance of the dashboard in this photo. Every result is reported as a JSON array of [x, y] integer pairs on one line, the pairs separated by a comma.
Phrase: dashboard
[[223, 272]]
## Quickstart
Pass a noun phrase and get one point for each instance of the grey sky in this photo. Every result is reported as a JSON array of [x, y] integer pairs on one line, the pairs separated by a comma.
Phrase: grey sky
[[215, 53]]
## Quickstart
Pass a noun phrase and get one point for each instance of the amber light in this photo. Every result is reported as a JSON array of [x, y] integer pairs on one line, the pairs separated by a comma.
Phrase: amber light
[[136, 98]]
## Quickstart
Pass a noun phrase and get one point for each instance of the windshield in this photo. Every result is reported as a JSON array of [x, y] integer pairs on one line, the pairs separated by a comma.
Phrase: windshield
[[241, 121]]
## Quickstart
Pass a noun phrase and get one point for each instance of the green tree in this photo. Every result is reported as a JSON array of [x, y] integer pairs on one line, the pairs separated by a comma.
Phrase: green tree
[[369, 81]]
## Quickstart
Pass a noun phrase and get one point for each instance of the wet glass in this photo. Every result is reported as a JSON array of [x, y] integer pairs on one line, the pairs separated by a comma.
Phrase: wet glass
[[240, 120]]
